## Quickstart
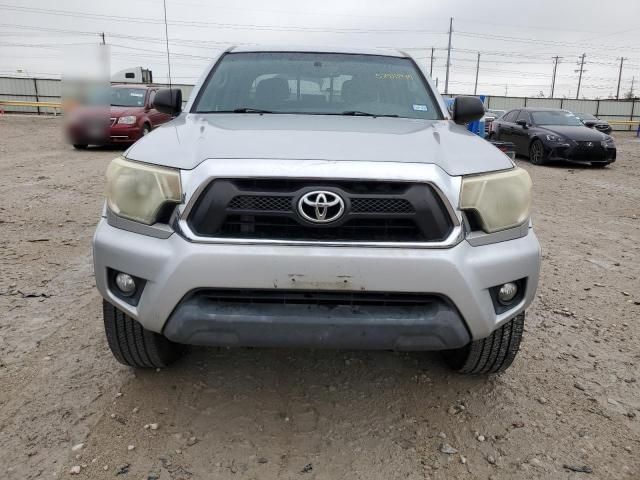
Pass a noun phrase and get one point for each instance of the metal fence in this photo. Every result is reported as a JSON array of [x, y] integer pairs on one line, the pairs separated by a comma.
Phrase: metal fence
[[610, 110], [45, 90], [49, 90]]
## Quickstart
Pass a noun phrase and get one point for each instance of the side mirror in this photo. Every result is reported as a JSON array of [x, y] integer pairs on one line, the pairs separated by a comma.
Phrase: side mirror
[[168, 100], [522, 123], [467, 109]]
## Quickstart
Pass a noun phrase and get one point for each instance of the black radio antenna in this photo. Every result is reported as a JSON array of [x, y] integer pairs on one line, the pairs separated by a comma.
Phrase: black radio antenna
[[166, 38]]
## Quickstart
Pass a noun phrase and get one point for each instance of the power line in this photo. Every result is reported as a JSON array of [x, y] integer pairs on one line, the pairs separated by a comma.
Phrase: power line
[[202, 24], [200, 43], [539, 41], [490, 57]]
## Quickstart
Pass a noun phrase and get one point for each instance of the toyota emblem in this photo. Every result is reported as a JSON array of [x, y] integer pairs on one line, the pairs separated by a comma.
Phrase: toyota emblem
[[321, 206]]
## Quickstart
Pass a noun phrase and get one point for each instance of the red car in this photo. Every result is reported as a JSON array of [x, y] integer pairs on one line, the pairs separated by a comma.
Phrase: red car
[[130, 116]]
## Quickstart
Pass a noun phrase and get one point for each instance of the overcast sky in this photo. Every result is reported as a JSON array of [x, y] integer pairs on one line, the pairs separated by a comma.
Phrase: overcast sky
[[516, 38]]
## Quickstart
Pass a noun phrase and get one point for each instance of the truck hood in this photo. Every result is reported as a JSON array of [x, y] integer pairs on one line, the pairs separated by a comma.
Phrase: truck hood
[[191, 139]]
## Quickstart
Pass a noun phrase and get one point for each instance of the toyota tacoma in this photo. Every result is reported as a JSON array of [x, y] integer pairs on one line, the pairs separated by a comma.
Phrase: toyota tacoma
[[321, 198]]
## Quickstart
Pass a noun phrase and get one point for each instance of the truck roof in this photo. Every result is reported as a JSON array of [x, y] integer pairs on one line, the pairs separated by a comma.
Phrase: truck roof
[[389, 52]]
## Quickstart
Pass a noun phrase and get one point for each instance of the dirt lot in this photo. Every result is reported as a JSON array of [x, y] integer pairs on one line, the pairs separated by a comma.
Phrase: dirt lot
[[571, 400]]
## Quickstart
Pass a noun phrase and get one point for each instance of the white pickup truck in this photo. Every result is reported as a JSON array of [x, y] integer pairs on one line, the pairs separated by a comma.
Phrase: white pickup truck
[[316, 198]]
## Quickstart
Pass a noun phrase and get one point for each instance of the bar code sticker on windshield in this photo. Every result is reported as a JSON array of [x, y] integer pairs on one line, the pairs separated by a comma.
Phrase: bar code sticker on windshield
[[421, 108]]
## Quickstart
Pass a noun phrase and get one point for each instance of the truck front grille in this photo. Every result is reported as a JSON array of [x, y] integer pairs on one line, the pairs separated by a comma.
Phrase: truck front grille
[[268, 209]]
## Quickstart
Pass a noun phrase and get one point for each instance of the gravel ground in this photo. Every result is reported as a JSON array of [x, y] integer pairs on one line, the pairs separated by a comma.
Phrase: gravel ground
[[570, 402]]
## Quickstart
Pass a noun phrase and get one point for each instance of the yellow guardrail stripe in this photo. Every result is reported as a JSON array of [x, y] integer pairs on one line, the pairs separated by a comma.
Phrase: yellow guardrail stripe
[[623, 122], [18, 103]]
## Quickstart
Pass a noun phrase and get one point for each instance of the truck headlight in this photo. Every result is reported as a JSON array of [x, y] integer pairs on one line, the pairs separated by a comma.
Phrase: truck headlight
[[137, 191], [501, 200], [128, 120]]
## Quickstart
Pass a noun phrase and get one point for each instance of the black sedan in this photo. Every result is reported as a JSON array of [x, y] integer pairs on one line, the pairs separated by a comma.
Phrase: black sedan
[[545, 134], [592, 121]]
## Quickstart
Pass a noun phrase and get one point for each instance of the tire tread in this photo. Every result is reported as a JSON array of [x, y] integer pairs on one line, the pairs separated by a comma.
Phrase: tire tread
[[133, 345], [492, 354]]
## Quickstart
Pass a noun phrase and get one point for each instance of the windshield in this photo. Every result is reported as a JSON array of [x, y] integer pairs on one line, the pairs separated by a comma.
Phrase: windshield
[[555, 117], [317, 83], [127, 97]]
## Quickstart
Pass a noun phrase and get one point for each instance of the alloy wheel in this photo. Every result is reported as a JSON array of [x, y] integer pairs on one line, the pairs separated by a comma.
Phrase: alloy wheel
[[536, 153]]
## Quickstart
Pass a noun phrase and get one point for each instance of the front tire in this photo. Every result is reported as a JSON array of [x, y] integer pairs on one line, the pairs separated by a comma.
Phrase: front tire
[[492, 354], [146, 129], [133, 345], [536, 153]]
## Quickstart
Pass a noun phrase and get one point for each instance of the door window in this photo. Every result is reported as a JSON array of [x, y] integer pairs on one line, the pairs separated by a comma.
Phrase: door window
[[524, 115], [152, 96], [511, 116]]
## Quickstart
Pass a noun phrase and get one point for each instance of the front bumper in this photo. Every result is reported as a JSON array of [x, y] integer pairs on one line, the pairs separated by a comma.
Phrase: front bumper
[[118, 133], [328, 319], [174, 267], [576, 154]]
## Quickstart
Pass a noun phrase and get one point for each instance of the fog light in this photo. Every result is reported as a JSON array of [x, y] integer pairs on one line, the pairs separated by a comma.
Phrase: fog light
[[125, 284], [507, 293]]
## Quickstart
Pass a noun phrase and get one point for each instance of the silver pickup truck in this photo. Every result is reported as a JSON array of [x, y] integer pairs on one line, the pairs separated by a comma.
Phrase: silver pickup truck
[[316, 198]]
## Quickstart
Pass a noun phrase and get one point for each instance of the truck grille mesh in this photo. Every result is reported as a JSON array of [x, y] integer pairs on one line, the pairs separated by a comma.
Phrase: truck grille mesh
[[267, 209], [381, 205], [264, 203], [284, 204]]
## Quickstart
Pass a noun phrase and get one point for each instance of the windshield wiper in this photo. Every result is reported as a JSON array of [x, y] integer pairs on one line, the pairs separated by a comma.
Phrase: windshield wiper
[[358, 113], [353, 113], [237, 110], [250, 110]]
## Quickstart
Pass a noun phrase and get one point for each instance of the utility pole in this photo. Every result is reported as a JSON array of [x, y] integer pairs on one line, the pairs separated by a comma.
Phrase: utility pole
[[633, 80], [622, 59], [102, 35], [506, 90], [475, 89], [431, 68], [446, 80], [556, 59], [581, 71]]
